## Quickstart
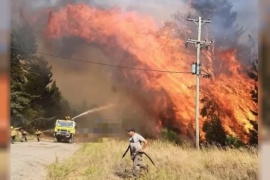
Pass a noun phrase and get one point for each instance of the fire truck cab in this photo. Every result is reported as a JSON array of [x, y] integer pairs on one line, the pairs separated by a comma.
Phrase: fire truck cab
[[64, 130]]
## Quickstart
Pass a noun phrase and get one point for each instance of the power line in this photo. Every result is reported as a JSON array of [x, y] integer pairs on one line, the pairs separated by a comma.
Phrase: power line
[[109, 65]]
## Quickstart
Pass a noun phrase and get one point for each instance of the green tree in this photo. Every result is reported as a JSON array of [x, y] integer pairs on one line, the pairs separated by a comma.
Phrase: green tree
[[38, 79], [214, 131], [47, 101], [55, 104], [39, 76], [224, 17], [233, 141], [22, 48], [171, 136], [34, 94]]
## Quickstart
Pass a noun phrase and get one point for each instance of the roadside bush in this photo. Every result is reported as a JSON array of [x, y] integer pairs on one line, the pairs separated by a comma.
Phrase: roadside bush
[[171, 136]]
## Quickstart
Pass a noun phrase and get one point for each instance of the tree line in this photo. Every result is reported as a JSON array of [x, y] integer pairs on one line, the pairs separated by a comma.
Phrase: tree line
[[36, 101]]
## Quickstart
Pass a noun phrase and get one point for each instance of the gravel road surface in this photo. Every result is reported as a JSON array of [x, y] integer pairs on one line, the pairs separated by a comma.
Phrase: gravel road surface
[[29, 159], [264, 158]]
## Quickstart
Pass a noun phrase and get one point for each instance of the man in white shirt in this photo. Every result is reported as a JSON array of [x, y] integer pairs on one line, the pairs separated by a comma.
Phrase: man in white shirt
[[136, 149]]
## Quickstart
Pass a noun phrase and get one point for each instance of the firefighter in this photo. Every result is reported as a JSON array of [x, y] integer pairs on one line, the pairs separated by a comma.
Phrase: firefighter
[[13, 134], [38, 133], [23, 134], [136, 151]]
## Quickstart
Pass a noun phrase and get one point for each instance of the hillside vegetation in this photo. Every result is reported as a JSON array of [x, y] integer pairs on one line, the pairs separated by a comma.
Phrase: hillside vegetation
[[104, 161]]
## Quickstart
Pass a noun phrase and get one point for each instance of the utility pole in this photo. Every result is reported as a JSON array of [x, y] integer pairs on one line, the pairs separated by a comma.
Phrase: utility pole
[[196, 69]]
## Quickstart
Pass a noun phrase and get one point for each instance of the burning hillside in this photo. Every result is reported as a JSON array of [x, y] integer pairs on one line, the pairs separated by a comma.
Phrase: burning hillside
[[153, 48]]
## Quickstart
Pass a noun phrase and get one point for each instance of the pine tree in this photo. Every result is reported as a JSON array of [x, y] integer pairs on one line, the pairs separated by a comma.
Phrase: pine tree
[[224, 17], [214, 131], [213, 128], [22, 48], [34, 94]]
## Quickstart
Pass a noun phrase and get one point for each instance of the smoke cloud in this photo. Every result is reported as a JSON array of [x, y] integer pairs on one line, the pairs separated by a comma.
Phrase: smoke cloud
[[229, 27]]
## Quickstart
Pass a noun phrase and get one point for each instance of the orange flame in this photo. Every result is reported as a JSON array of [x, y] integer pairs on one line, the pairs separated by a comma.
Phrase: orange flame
[[154, 48]]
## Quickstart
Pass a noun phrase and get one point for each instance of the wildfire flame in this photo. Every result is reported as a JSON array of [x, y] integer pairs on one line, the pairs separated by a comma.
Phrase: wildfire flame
[[156, 49]]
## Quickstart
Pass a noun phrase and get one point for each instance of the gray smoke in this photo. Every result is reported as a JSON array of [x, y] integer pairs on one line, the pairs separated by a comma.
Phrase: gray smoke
[[233, 24]]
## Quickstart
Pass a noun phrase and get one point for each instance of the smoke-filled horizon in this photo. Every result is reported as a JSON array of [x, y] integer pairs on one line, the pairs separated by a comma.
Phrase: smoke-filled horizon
[[160, 11], [124, 33]]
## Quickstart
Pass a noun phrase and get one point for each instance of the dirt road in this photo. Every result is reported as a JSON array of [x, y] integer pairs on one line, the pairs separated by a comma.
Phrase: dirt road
[[29, 159], [264, 161]]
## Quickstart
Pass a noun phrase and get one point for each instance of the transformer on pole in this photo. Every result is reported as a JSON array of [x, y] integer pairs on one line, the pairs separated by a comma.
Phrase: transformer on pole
[[195, 69]]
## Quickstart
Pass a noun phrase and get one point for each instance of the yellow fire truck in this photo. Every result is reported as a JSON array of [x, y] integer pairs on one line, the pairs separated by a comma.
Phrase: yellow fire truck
[[65, 130]]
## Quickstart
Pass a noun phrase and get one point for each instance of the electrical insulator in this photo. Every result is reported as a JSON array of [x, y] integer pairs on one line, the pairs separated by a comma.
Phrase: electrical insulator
[[198, 69], [193, 68]]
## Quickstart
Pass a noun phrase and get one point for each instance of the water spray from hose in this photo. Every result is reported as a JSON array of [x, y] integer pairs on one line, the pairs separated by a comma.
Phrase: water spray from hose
[[93, 110]]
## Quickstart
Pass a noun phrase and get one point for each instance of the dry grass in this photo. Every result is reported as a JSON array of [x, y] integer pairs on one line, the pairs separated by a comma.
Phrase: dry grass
[[103, 161]]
